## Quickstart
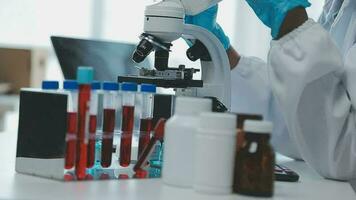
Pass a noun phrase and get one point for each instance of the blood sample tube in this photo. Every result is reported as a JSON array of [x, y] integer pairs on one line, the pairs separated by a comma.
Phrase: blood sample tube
[[146, 123], [128, 108], [109, 107], [95, 86], [50, 85], [71, 87], [147, 152], [84, 78]]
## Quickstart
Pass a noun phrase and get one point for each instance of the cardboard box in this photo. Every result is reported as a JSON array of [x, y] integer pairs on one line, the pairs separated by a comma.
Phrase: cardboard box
[[22, 67]]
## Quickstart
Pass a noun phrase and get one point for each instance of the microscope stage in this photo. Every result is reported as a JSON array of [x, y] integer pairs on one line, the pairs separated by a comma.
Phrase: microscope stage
[[160, 82]]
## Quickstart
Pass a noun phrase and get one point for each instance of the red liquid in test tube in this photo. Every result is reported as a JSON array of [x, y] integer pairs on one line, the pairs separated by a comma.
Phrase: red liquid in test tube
[[104, 176], [146, 125], [123, 176], [141, 174], [145, 135], [85, 77], [108, 134], [83, 119], [126, 137], [91, 144], [68, 177], [71, 140], [95, 86], [147, 152], [71, 88]]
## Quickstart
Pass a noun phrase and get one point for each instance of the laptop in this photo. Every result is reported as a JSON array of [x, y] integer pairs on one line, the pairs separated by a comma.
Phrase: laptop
[[109, 59]]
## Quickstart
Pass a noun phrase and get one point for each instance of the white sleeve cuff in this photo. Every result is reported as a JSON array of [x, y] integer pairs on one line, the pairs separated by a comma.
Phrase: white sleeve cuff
[[290, 36], [247, 66]]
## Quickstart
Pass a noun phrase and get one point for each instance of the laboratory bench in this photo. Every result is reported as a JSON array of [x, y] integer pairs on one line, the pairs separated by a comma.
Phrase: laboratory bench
[[18, 186]]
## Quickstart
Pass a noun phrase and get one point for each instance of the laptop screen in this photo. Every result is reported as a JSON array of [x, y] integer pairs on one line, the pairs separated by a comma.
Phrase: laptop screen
[[109, 59]]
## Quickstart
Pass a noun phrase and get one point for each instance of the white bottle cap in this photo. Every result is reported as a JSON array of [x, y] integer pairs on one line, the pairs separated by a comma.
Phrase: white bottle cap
[[218, 122], [192, 106], [259, 127]]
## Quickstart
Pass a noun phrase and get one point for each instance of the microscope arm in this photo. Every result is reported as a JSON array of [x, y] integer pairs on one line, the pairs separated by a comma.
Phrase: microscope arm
[[215, 73], [164, 23]]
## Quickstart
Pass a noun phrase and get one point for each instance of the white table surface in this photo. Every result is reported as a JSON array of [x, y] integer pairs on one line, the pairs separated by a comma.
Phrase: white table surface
[[7, 103], [18, 186]]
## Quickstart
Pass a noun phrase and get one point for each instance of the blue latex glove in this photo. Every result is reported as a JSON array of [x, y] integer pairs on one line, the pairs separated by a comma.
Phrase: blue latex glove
[[207, 20], [273, 12]]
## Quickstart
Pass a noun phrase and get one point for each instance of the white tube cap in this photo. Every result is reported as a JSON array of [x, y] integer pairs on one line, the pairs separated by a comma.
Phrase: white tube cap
[[259, 127], [192, 106], [218, 122]]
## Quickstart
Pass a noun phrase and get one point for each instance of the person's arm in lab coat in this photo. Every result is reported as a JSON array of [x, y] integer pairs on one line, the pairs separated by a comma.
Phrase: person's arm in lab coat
[[251, 93], [306, 71]]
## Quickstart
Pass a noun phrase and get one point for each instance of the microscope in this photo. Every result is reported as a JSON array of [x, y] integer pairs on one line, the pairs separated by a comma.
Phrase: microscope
[[164, 23]]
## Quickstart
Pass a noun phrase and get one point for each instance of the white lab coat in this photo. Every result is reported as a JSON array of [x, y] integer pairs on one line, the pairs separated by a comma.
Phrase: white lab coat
[[311, 73]]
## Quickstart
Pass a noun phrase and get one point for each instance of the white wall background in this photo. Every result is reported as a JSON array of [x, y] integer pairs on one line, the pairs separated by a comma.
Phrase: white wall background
[[251, 37], [32, 22]]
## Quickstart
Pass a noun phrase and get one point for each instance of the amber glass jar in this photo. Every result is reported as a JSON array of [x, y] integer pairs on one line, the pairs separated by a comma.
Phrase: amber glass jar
[[241, 118], [254, 164]]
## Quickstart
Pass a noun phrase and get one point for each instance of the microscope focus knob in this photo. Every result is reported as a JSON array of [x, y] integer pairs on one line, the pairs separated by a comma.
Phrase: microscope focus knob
[[198, 51]]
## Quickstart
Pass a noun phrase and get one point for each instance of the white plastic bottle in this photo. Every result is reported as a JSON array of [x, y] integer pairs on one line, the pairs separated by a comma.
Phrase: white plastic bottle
[[214, 153], [180, 131]]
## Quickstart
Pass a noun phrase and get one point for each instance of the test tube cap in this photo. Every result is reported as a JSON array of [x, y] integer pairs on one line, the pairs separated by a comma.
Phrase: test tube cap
[[110, 86], [258, 127], [85, 75], [50, 85], [150, 88], [96, 85], [129, 87], [70, 85]]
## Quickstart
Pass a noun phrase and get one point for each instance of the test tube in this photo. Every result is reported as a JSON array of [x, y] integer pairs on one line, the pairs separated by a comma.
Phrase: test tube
[[128, 108], [95, 87], [110, 104], [50, 85], [84, 78], [71, 87], [146, 123]]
